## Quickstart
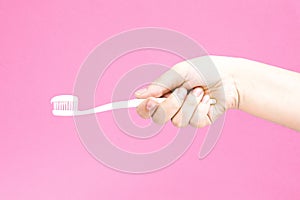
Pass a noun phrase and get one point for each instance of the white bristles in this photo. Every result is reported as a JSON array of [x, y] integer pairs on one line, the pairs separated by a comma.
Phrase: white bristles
[[65, 105]]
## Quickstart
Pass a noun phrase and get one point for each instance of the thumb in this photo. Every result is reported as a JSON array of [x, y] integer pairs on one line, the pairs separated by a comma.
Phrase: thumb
[[167, 82], [152, 90]]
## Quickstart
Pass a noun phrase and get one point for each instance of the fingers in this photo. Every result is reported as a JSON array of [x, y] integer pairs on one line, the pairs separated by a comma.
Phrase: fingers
[[200, 117], [164, 84], [183, 116], [168, 108], [183, 109], [164, 111]]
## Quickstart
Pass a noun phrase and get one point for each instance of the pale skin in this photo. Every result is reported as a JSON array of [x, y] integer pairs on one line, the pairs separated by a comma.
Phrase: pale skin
[[268, 92]]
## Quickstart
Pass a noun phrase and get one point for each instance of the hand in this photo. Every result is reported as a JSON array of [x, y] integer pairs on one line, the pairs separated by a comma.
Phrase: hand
[[188, 91]]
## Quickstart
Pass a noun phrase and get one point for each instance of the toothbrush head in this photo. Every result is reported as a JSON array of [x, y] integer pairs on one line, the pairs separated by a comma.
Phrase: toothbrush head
[[64, 105]]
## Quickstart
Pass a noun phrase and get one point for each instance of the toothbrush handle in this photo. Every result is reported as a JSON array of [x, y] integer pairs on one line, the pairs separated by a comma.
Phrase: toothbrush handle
[[120, 104], [135, 102], [125, 104]]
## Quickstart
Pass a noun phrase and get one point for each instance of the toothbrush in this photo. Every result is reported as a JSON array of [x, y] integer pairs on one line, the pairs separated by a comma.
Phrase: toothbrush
[[67, 105]]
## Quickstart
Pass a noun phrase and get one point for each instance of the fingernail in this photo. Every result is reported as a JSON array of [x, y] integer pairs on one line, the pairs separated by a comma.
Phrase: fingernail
[[181, 92], [141, 91], [197, 92], [150, 105]]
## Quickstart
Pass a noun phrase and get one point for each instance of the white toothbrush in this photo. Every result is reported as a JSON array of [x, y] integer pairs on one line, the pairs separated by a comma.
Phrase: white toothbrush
[[67, 105]]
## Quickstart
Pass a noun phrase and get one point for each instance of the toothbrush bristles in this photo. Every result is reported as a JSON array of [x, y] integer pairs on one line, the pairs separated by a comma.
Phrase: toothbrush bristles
[[65, 105]]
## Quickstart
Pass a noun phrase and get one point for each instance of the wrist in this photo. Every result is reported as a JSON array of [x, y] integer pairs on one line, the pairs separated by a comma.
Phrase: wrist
[[231, 74], [242, 71]]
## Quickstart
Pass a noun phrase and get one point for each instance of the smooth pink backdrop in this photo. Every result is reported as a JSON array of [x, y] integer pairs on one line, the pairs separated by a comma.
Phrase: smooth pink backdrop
[[42, 45]]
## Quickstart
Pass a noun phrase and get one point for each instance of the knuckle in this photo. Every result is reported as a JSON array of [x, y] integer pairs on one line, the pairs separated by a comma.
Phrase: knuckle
[[179, 122], [158, 119], [200, 122], [203, 122], [142, 114], [176, 122], [178, 66], [194, 123]]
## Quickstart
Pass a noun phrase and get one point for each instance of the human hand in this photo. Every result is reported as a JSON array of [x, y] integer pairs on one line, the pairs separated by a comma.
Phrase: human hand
[[189, 86]]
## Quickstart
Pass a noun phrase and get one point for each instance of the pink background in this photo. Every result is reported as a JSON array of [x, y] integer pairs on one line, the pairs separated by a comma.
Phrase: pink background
[[42, 45]]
